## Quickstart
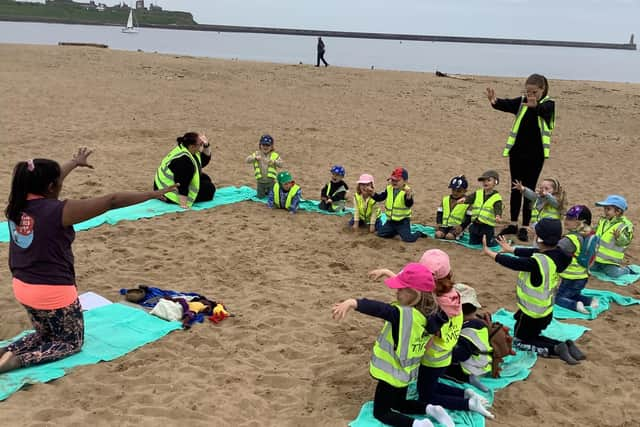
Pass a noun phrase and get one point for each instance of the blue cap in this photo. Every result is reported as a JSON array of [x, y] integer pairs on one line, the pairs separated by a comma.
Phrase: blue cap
[[338, 170], [458, 183], [266, 140], [615, 201]]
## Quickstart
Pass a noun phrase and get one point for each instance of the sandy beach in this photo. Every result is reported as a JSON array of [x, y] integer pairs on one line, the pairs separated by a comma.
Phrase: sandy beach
[[282, 361]]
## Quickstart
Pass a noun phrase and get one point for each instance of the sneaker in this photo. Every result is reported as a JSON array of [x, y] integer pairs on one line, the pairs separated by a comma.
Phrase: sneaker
[[574, 351], [509, 229], [562, 350], [523, 236]]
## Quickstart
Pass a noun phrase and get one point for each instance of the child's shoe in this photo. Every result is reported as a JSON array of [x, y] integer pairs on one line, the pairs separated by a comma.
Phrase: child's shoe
[[562, 350], [509, 229], [574, 351], [438, 413], [523, 236]]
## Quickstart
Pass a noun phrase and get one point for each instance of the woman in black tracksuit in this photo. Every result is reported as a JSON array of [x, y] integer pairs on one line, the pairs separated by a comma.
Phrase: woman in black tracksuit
[[528, 144]]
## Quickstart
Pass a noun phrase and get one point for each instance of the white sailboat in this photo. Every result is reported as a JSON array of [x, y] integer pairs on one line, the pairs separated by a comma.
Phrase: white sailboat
[[130, 28]]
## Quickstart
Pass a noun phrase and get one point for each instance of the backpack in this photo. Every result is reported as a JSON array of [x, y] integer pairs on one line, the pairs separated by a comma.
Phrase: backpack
[[588, 249], [501, 342]]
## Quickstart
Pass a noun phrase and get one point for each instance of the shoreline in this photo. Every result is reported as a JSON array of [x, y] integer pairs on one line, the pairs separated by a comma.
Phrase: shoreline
[[348, 34]]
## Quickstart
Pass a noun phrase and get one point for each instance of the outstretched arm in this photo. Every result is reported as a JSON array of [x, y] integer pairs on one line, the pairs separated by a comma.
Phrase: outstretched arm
[[78, 160]]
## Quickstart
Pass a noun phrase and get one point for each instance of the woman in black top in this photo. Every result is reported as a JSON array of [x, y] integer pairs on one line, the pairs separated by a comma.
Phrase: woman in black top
[[527, 153]]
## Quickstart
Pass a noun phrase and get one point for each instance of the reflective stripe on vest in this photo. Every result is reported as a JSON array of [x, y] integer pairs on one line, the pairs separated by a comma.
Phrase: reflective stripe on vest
[[575, 271], [545, 130], [365, 211], [398, 364], [290, 195], [271, 168], [547, 211], [483, 210], [164, 176], [438, 353], [477, 364], [451, 218], [608, 251], [396, 209], [537, 301]]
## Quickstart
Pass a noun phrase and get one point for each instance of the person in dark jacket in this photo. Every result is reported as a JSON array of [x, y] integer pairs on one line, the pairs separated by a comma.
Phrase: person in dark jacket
[[321, 51], [528, 144]]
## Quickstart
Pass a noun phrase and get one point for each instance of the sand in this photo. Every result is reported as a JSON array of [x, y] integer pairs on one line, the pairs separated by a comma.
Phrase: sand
[[282, 361]]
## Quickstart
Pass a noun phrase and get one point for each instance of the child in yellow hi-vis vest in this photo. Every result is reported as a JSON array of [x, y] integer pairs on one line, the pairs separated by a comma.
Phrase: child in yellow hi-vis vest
[[266, 163], [452, 217], [285, 194], [486, 209], [365, 212], [400, 346], [615, 232]]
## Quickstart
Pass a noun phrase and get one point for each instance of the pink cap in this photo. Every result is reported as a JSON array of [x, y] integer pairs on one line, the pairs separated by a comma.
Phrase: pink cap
[[365, 178], [415, 276], [436, 261]]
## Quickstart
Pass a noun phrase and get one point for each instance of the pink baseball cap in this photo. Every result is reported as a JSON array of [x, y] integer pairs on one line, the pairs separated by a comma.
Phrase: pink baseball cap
[[365, 178], [436, 261], [415, 276]]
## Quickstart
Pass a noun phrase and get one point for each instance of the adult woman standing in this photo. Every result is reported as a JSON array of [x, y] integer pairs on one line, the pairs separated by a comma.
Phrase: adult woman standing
[[528, 143], [183, 166], [41, 259]]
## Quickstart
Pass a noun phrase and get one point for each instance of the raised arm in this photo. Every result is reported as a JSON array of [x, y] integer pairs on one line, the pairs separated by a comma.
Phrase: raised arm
[[76, 211], [78, 160]]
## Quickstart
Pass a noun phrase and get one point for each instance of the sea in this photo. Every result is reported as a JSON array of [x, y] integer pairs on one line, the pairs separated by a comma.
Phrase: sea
[[452, 58]]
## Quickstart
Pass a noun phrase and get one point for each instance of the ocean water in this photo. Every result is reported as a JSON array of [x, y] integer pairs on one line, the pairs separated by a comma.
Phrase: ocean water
[[453, 58]]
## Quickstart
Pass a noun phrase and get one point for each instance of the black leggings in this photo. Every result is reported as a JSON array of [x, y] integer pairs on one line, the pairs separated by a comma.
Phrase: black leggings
[[389, 399], [526, 170]]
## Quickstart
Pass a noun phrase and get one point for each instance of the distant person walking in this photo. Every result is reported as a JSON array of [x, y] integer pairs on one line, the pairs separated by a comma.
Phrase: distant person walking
[[321, 50]]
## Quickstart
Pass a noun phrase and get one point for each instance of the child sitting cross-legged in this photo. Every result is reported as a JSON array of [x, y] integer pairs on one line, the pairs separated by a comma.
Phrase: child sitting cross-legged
[[285, 193]]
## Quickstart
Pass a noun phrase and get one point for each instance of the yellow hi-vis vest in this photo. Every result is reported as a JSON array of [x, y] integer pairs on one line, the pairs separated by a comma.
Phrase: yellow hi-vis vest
[[365, 210], [575, 271], [545, 130], [537, 301], [608, 251], [439, 352], [547, 211], [395, 208], [164, 175], [397, 363], [455, 216], [482, 211], [271, 169], [477, 364], [290, 195]]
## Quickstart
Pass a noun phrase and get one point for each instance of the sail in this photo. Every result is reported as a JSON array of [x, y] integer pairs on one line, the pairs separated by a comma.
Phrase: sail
[[130, 20]]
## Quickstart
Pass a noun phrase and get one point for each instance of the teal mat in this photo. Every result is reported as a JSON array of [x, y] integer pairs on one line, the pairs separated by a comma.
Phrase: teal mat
[[310, 206], [514, 368], [464, 240], [624, 280], [605, 299], [110, 331]]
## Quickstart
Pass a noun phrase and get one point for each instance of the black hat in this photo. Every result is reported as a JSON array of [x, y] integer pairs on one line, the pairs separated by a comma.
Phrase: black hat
[[549, 231]]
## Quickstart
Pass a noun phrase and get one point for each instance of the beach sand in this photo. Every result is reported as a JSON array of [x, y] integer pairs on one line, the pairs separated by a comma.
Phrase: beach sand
[[282, 361]]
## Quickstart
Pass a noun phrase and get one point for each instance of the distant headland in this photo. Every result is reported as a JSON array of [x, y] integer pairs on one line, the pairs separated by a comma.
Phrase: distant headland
[[153, 16]]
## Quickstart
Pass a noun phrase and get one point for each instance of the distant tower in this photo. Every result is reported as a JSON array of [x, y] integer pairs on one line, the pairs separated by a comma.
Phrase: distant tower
[[631, 39], [139, 4]]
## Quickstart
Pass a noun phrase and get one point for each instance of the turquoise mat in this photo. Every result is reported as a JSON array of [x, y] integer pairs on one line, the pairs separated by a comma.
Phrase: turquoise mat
[[310, 206], [464, 240], [110, 331], [514, 368], [624, 280], [605, 298]]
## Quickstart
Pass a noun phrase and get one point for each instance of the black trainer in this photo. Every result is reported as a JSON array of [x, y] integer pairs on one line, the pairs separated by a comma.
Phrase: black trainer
[[509, 229], [574, 351], [523, 236], [562, 350]]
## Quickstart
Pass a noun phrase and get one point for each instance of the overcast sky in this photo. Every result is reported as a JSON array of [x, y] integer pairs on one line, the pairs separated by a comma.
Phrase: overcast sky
[[584, 20]]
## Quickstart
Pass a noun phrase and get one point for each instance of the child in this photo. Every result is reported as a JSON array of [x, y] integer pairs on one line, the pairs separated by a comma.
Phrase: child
[[444, 325], [486, 209], [285, 193], [472, 355], [400, 346], [265, 164], [529, 141], [365, 213], [398, 199], [452, 217], [616, 233], [548, 201], [334, 193], [577, 223], [537, 280]]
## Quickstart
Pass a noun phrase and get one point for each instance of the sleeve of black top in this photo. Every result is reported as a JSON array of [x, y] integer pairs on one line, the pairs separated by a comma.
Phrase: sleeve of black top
[[323, 191], [463, 350], [205, 159], [183, 171], [439, 215], [517, 263], [525, 252], [546, 110], [379, 309], [379, 197], [508, 105], [436, 320], [408, 202]]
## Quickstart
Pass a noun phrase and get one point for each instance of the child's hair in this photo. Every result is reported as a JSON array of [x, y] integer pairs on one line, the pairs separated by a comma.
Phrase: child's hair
[[444, 285], [33, 176], [427, 304], [359, 187], [468, 308], [559, 194], [188, 139], [540, 81]]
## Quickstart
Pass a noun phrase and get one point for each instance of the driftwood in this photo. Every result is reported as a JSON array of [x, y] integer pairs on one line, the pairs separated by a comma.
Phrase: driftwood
[[103, 46], [441, 74]]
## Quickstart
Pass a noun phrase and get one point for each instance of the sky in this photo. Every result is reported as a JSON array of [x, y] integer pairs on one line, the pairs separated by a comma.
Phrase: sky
[[580, 20]]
